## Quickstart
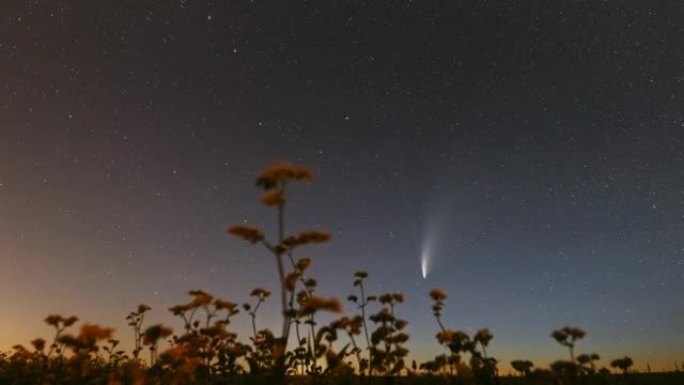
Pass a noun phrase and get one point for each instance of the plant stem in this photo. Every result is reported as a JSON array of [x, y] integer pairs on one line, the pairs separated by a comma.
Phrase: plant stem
[[365, 328], [281, 271]]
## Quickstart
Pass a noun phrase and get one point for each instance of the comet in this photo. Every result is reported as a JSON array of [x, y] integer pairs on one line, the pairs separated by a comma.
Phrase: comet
[[425, 261]]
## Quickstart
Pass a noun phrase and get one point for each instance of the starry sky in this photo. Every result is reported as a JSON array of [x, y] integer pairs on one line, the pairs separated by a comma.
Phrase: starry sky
[[533, 153]]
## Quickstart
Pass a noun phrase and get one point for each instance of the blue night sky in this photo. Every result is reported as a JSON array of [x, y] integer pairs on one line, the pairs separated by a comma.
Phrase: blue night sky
[[532, 154]]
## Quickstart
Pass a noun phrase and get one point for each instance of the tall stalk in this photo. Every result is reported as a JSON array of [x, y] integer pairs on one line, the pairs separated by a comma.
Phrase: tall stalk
[[273, 181]]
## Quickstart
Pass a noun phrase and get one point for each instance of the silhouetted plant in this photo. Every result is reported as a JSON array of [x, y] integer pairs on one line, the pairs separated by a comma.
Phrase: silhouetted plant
[[259, 359], [135, 320], [60, 324], [362, 302], [565, 369], [309, 349], [388, 338], [151, 338], [622, 363], [309, 305], [207, 352], [207, 346], [524, 367], [587, 361], [604, 372], [482, 337], [352, 327], [456, 341], [87, 339], [567, 337], [274, 182], [481, 366], [323, 348], [260, 295], [114, 357]]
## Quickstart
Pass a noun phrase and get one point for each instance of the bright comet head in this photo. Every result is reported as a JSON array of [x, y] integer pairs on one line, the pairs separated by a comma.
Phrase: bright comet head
[[424, 261]]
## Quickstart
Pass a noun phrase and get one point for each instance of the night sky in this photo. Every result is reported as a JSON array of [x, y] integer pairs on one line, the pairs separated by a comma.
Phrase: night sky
[[532, 153]]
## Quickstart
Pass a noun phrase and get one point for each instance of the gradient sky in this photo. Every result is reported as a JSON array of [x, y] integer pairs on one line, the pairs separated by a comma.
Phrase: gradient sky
[[535, 151]]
